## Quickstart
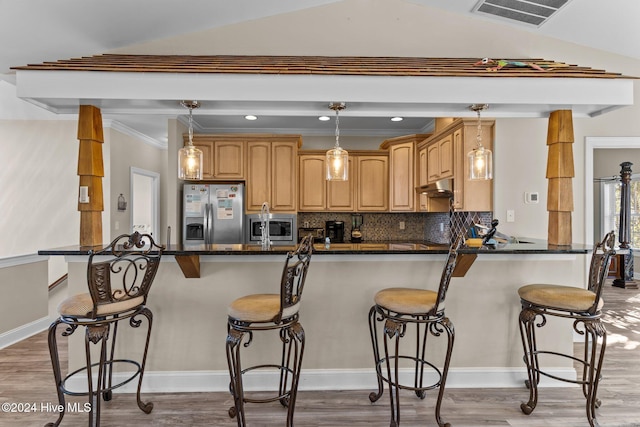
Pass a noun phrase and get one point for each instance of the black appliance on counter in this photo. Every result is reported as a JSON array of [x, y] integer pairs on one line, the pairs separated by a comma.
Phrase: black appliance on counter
[[335, 231]]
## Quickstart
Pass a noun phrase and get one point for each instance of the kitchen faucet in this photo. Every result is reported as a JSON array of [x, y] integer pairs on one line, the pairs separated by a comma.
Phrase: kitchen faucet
[[265, 241]]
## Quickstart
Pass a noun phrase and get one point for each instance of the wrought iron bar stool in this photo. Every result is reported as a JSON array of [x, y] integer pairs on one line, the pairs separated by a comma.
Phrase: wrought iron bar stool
[[584, 306], [398, 308], [264, 312], [119, 277]]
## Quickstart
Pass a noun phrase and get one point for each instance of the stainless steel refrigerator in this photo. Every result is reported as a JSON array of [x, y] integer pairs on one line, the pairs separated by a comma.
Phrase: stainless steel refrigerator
[[213, 213]]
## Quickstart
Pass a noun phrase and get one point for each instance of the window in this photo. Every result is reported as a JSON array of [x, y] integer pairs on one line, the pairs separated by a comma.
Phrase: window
[[610, 196]]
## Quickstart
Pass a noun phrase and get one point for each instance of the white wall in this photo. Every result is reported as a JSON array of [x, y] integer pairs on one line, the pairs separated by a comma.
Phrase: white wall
[[127, 151]]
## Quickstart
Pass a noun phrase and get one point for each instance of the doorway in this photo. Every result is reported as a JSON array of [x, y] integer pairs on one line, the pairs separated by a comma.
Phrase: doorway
[[591, 144], [145, 203]]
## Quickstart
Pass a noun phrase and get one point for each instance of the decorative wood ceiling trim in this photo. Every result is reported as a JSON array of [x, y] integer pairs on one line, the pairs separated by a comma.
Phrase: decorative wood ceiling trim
[[322, 65]]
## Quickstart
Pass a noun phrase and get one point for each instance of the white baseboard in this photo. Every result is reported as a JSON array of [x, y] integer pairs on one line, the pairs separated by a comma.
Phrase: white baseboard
[[324, 379], [25, 331]]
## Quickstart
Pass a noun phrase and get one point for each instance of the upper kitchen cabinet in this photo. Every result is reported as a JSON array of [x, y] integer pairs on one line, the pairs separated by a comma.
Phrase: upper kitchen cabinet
[[476, 195], [444, 155], [403, 176], [272, 173], [316, 194], [366, 190], [440, 158], [222, 156], [372, 194]]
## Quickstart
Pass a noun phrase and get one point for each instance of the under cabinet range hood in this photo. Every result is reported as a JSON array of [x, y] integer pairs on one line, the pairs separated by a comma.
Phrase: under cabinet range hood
[[442, 188]]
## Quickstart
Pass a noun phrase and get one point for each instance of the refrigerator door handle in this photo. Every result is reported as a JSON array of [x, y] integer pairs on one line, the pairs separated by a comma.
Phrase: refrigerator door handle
[[210, 223], [206, 223]]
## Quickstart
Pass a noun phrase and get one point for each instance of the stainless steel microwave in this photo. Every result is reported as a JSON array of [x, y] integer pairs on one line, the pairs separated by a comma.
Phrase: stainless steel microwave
[[283, 229]]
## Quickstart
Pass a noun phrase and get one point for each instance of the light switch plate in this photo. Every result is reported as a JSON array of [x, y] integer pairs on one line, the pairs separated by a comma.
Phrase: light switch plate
[[511, 215]]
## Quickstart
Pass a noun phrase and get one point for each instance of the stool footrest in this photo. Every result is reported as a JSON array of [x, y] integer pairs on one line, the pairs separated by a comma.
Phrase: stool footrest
[[109, 363]]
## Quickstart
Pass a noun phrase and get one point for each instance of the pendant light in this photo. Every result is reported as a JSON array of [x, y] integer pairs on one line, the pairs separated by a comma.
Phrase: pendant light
[[337, 159], [189, 157], [480, 159]]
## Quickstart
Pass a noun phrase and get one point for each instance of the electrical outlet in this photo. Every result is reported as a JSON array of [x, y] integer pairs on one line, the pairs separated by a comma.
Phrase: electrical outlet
[[511, 215], [402, 225]]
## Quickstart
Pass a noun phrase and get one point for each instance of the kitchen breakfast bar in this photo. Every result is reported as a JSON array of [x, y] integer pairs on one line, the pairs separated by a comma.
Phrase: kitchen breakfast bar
[[187, 350]]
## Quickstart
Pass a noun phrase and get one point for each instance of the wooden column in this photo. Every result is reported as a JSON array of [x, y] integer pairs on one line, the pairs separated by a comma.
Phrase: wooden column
[[560, 174], [91, 172]]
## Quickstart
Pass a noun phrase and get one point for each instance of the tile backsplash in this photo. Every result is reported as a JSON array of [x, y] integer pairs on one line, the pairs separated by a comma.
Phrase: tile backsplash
[[434, 227]]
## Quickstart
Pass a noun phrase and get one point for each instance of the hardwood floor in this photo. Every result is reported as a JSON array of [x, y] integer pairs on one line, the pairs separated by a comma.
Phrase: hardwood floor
[[25, 377]]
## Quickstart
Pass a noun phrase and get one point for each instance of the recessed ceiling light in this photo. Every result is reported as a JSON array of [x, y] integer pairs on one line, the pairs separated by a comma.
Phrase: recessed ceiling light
[[323, 118], [250, 117], [397, 119]]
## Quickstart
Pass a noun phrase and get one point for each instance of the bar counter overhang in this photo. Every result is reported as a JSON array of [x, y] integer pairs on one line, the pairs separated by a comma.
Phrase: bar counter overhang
[[187, 351]]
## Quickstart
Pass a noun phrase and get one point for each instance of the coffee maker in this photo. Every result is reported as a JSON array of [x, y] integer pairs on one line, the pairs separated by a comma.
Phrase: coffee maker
[[335, 231], [356, 223]]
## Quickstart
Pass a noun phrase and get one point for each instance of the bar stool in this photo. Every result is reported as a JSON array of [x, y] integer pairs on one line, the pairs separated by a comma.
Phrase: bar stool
[[264, 312], [119, 282], [584, 306], [398, 308]]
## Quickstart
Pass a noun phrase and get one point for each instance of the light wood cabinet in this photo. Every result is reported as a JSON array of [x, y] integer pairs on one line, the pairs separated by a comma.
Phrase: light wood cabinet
[[403, 171], [440, 159], [423, 179], [366, 189], [447, 151], [341, 194], [221, 158], [228, 159], [271, 175], [373, 183], [476, 195], [316, 194], [312, 186]]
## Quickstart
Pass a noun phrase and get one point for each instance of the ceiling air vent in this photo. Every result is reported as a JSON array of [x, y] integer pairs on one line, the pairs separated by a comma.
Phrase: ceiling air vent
[[531, 12]]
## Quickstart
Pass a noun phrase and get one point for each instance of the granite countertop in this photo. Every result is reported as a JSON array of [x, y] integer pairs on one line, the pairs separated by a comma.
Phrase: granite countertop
[[525, 246]]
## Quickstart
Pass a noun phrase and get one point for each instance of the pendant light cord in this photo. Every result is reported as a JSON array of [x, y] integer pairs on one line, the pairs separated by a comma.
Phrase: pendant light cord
[[337, 129]]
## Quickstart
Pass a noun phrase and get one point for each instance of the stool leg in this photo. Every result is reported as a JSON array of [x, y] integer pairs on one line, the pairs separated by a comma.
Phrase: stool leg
[[593, 369], [94, 334], [107, 379], [148, 406], [393, 330], [528, 335], [373, 329], [234, 338], [420, 357], [55, 364], [446, 324], [293, 343]]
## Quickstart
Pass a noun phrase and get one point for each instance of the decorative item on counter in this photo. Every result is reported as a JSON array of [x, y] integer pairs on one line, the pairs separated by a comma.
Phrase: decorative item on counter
[[189, 157], [122, 203], [337, 159], [498, 64], [327, 243], [480, 159], [480, 235]]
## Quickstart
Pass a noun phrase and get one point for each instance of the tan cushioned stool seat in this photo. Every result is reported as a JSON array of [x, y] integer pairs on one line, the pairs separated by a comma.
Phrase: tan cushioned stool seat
[[558, 296], [259, 308], [406, 300], [81, 305]]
